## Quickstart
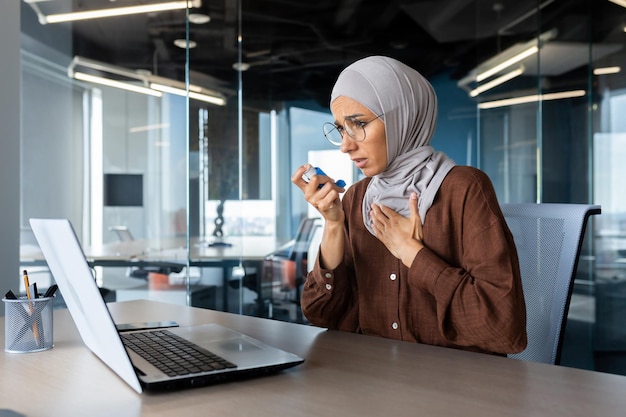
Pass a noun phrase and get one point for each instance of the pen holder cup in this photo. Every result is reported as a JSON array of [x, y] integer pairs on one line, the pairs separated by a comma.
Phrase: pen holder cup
[[28, 324]]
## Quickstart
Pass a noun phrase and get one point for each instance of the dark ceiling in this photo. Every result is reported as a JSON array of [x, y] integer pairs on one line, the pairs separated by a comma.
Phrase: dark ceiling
[[295, 48]]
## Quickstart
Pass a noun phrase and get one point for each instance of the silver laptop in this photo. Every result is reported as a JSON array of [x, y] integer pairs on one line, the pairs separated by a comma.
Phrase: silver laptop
[[241, 356]]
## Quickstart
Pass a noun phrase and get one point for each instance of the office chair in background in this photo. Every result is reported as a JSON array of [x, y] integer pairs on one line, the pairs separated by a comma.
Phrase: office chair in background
[[38, 273], [123, 233], [304, 253], [548, 238], [142, 272], [285, 270]]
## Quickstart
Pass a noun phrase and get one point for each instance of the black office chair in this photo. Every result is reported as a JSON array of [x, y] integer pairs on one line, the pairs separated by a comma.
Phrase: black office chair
[[285, 270], [548, 238], [124, 235]]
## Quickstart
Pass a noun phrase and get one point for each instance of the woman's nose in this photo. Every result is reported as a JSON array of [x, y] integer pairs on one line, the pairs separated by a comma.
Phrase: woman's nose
[[347, 144]]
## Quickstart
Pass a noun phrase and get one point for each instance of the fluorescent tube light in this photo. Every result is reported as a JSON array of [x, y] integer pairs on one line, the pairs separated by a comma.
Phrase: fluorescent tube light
[[619, 2], [195, 93], [515, 54], [606, 70], [152, 84], [118, 11], [146, 128], [532, 98], [496, 81], [174, 90], [507, 63], [207, 98], [117, 84]]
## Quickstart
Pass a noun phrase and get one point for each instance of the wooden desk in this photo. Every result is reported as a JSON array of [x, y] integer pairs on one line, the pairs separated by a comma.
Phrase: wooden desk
[[344, 375]]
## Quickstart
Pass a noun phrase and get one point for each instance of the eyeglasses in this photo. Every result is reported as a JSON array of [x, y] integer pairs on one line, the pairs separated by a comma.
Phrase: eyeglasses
[[354, 127]]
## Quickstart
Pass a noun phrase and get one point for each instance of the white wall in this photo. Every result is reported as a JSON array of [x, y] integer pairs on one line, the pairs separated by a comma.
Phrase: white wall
[[52, 154]]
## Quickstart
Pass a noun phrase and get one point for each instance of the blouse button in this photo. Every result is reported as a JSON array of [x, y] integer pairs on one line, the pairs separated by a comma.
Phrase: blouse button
[[394, 325], [329, 287], [393, 277], [328, 275]]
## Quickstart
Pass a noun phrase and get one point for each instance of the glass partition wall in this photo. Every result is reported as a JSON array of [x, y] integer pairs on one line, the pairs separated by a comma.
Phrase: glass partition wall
[[180, 197], [142, 140], [548, 132], [105, 144]]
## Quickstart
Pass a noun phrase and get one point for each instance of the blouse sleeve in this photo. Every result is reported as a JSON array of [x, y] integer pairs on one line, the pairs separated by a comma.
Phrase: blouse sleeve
[[481, 302], [329, 297]]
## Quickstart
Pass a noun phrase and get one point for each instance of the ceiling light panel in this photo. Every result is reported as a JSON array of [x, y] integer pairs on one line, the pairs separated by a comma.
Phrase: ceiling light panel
[[531, 99], [139, 81], [117, 11], [619, 2]]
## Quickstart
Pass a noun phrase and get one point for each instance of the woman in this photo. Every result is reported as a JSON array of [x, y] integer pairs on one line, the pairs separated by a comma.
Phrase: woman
[[419, 249]]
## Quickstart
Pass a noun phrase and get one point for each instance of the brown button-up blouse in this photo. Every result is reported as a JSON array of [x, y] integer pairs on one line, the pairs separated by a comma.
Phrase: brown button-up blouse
[[463, 289]]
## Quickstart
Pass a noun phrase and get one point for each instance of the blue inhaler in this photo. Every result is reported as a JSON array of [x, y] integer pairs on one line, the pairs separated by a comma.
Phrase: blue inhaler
[[318, 171]]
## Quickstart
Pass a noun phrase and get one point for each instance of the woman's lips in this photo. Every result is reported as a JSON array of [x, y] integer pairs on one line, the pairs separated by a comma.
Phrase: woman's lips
[[360, 162]]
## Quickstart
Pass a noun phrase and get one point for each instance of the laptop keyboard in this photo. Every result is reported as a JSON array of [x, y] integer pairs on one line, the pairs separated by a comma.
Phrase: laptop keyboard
[[172, 354]]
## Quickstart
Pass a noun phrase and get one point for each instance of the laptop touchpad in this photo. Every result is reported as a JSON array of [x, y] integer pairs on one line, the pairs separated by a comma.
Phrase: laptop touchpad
[[236, 345]]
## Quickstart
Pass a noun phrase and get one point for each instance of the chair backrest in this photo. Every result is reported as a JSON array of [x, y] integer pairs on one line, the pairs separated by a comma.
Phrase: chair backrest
[[307, 231], [548, 238], [123, 233], [303, 235], [314, 247]]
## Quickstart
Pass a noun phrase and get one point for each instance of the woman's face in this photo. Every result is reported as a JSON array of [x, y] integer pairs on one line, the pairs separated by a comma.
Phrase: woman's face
[[370, 156]]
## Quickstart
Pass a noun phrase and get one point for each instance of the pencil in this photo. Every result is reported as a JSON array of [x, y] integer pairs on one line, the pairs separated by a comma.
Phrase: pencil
[[29, 296]]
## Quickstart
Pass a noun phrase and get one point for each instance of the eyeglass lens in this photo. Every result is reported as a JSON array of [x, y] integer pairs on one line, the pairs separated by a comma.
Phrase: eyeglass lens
[[353, 128]]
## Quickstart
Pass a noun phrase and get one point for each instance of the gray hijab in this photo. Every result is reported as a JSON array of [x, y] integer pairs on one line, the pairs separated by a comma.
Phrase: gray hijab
[[408, 104]]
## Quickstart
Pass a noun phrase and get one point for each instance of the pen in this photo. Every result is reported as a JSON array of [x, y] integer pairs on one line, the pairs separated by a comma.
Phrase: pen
[[51, 290], [33, 290], [10, 295], [26, 284], [29, 296]]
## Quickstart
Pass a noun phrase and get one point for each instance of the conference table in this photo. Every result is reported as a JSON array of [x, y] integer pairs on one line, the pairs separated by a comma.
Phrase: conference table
[[344, 374], [172, 253], [168, 249]]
